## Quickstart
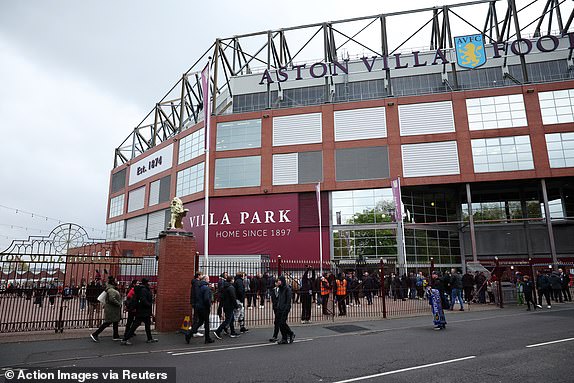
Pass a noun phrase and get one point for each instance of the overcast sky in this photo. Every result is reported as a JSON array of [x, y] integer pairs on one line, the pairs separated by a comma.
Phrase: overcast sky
[[77, 76]]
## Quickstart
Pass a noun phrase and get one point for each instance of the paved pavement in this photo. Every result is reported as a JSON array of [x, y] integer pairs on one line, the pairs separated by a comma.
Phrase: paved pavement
[[487, 346]]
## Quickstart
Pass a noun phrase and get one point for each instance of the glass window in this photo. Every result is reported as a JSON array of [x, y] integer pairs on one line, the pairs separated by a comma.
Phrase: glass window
[[496, 112], [119, 181], [556, 106], [560, 148], [362, 206], [117, 206], [238, 135], [191, 146], [190, 180], [502, 154], [115, 230], [237, 172]]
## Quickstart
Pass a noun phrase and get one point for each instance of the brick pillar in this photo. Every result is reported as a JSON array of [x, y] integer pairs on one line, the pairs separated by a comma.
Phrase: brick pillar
[[175, 271]]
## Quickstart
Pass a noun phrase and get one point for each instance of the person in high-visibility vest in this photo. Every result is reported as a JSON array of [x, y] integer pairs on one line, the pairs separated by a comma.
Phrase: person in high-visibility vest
[[341, 283], [325, 291]]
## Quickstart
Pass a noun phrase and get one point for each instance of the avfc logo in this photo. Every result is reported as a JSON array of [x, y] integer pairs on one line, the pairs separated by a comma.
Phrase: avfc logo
[[470, 51]]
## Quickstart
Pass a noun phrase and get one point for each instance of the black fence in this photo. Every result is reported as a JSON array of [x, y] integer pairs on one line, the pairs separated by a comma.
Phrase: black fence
[[372, 290], [46, 292]]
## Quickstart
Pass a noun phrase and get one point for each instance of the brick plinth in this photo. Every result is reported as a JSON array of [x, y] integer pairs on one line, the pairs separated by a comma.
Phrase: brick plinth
[[175, 272]]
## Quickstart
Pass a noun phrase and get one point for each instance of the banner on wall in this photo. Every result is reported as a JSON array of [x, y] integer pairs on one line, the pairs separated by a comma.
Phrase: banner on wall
[[264, 224]]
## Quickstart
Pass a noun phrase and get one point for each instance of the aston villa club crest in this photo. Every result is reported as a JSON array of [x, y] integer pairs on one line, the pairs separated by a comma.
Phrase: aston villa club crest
[[470, 52]]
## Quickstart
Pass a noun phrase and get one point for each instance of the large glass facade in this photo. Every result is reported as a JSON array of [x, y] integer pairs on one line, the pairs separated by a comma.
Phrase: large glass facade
[[364, 226]]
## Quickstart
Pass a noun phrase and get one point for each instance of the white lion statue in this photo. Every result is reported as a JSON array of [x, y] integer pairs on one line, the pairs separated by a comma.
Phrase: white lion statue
[[177, 214]]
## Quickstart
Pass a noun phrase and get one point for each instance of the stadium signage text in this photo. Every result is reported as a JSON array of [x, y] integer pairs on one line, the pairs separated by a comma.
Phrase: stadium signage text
[[519, 47], [244, 217]]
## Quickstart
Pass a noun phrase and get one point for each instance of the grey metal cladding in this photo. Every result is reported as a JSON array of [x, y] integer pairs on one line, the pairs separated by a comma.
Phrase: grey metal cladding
[[362, 163], [164, 189], [310, 167], [119, 180]]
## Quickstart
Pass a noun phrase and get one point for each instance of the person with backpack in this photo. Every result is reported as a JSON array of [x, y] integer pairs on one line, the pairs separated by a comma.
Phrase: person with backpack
[[112, 311], [143, 307], [130, 306]]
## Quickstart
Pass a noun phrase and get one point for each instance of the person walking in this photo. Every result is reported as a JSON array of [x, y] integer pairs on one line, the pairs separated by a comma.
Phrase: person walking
[[556, 286], [543, 286], [195, 285], [228, 305], [565, 284], [527, 289], [130, 306], [274, 301], [202, 305], [435, 301], [284, 296], [144, 303], [112, 311], [239, 285], [456, 289]]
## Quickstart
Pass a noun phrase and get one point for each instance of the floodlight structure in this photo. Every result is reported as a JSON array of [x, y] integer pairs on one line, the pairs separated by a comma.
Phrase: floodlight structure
[[377, 35]]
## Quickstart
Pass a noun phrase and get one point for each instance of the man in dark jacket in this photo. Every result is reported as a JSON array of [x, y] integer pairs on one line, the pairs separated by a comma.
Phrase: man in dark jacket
[[467, 285], [195, 285], [565, 284], [144, 299], [254, 286], [202, 306], [480, 282], [456, 289], [556, 286], [368, 287], [527, 289], [543, 286], [239, 285], [306, 290], [283, 308], [228, 304]]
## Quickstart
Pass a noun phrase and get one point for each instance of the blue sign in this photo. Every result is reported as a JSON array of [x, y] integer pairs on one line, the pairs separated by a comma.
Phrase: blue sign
[[470, 52]]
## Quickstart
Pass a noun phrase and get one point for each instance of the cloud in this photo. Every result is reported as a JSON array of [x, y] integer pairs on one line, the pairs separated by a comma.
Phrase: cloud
[[58, 135]]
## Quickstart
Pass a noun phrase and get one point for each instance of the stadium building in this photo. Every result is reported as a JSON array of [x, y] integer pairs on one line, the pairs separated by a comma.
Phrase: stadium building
[[478, 127]]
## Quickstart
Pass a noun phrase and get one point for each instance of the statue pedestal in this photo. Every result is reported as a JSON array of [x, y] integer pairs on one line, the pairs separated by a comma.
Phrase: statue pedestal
[[176, 266]]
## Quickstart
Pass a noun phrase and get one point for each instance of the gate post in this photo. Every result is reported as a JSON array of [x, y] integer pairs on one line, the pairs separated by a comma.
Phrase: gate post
[[176, 266], [383, 292], [531, 264], [499, 282], [278, 266]]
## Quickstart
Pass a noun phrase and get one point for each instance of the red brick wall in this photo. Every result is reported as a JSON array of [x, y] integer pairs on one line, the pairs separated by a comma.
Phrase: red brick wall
[[176, 266]]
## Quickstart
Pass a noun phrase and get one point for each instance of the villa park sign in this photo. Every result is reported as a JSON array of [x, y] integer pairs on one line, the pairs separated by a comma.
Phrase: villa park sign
[[469, 54]]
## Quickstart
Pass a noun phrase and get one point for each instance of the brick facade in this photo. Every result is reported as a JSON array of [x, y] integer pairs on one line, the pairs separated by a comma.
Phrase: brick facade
[[176, 266]]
